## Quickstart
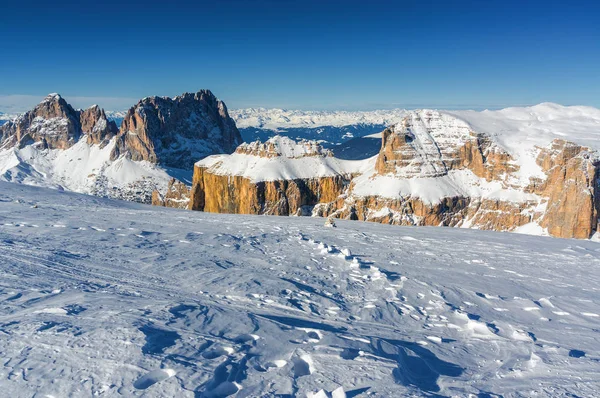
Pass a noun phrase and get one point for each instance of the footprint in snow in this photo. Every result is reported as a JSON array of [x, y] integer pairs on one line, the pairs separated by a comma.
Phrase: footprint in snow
[[218, 351], [153, 377], [302, 365], [246, 338]]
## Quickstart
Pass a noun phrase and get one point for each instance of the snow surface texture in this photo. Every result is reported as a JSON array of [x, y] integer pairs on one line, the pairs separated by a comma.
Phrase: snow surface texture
[[86, 169], [113, 298]]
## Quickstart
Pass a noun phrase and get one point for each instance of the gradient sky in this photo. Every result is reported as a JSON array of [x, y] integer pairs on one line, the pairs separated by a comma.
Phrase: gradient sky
[[306, 54]]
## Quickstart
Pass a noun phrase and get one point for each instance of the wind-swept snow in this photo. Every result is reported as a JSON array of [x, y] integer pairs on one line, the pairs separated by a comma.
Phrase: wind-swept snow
[[111, 298], [85, 168]]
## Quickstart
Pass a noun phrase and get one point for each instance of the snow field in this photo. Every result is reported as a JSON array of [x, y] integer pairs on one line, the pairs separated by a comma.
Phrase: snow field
[[101, 297]]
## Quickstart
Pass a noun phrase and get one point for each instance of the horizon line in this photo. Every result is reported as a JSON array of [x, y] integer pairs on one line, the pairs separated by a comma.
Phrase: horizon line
[[26, 102]]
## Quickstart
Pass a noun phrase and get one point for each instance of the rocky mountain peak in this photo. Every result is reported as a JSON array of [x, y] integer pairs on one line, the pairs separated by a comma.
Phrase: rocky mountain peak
[[54, 124], [96, 125], [53, 106], [178, 131]]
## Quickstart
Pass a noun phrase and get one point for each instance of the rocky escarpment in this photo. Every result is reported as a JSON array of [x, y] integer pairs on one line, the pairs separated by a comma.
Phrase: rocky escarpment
[[176, 132], [432, 169], [264, 184], [572, 188], [177, 195], [56, 125], [428, 149]]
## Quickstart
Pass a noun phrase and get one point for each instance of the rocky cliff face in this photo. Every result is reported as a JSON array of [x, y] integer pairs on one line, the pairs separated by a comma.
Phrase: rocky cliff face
[[219, 192], [96, 125], [430, 144], [178, 131], [572, 188], [432, 169]]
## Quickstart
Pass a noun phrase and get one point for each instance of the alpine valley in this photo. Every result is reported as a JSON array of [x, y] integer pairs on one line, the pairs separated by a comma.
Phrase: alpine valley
[[533, 170]]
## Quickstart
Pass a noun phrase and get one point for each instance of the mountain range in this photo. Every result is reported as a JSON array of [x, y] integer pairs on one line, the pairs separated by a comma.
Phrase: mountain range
[[84, 151], [531, 169]]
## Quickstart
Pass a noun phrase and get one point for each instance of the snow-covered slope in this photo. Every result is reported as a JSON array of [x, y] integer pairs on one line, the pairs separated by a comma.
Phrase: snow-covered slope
[[119, 299], [516, 128], [86, 168], [522, 131]]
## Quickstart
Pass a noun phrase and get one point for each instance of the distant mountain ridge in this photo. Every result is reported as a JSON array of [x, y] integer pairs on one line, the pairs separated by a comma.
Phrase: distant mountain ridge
[[330, 128]]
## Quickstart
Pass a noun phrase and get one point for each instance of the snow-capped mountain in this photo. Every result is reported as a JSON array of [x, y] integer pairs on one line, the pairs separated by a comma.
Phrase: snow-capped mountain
[[110, 298], [330, 128], [116, 116], [531, 170], [57, 146]]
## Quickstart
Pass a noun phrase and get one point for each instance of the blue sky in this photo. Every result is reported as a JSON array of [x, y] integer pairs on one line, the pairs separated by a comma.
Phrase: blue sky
[[306, 54]]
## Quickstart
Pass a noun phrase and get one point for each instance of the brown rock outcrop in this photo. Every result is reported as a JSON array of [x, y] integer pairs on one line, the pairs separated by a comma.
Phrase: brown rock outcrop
[[177, 196], [429, 144], [96, 125], [571, 188], [453, 211], [283, 147], [178, 131]]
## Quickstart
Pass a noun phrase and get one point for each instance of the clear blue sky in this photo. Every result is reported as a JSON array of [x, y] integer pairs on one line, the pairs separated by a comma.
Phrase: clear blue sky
[[307, 54]]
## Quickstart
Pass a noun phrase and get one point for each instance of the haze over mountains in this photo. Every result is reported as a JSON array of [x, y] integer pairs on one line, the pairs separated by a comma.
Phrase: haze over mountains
[[531, 170]]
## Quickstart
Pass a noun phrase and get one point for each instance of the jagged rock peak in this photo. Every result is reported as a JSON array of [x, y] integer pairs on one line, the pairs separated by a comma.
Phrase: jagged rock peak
[[56, 125], [96, 125], [280, 146], [177, 131], [53, 97], [52, 106]]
